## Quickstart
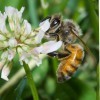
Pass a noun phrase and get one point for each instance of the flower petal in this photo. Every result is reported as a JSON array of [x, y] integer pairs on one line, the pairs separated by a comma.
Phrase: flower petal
[[51, 46], [13, 12], [36, 51], [3, 44], [25, 30], [4, 55], [20, 12], [5, 71], [12, 42], [10, 11], [24, 57], [48, 47], [45, 25], [11, 54], [27, 27], [2, 37], [2, 62], [37, 60], [2, 22], [39, 36], [14, 16]]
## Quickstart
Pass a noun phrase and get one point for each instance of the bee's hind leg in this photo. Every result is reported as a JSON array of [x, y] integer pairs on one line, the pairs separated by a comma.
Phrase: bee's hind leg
[[60, 77], [59, 74]]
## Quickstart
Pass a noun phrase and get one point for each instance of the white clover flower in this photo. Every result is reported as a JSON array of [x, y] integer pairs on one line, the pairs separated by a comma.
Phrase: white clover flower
[[19, 38]]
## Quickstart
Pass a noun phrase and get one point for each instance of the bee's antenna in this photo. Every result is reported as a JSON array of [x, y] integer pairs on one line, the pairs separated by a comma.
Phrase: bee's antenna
[[86, 47]]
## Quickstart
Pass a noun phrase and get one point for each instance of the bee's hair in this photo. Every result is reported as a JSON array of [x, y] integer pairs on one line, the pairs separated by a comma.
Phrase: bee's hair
[[78, 29]]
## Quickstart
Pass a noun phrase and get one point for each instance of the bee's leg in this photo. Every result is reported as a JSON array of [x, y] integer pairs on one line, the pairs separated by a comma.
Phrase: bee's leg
[[60, 78], [59, 55], [62, 75], [54, 35], [59, 74]]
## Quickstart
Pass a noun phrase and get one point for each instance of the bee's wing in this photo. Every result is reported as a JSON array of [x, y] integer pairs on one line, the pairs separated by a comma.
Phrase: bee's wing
[[85, 46]]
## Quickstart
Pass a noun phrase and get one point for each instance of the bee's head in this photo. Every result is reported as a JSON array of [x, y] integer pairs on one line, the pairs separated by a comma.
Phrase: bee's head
[[68, 30]]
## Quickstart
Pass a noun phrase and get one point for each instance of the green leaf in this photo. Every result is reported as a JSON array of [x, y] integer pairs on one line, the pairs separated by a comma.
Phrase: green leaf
[[13, 3], [94, 20], [15, 93], [50, 86], [18, 91], [75, 89]]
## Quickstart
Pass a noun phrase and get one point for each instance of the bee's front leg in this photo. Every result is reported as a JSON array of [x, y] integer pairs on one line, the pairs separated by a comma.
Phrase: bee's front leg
[[59, 55], [55, 36]]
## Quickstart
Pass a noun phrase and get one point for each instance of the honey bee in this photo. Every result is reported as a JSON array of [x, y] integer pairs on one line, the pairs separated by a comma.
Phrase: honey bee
[[71, 53]]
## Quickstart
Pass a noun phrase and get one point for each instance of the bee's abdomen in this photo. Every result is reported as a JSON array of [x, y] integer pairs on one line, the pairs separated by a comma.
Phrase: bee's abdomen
[[69, 66]]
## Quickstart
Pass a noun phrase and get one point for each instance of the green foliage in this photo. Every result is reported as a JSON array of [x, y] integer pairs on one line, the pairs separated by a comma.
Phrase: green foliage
[[75, 90], [84, 87], [93, 17], [16, 92], [40, 73]]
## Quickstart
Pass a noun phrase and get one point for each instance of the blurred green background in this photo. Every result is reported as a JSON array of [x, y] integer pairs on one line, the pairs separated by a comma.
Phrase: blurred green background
[[84, 84]]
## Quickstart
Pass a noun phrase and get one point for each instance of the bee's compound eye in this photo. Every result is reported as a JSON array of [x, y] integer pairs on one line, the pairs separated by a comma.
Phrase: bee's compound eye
[[55, 22]]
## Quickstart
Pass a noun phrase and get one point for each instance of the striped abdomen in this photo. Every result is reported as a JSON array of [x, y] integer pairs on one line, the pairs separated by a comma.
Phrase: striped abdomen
[[69, 65]]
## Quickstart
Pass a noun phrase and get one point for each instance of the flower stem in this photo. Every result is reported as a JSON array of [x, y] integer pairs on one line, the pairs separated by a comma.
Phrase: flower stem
[[30, 81]]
